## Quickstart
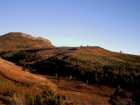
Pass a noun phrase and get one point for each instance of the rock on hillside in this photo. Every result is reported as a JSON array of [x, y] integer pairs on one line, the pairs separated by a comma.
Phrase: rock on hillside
[[19, 41]]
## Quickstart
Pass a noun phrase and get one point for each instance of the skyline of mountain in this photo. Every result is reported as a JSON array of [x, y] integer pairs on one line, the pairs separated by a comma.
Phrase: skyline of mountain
[[112, 24]]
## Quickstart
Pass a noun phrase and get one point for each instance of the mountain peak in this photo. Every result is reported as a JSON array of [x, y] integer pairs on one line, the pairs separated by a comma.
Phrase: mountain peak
[[17, 34], [19, 40]]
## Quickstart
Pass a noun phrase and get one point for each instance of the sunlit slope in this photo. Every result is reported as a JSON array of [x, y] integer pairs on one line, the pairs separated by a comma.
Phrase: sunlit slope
[[20, 41], [18, 74], [18, 87]]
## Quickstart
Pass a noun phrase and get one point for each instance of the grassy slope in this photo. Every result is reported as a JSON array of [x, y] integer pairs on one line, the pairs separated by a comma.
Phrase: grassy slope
[[18, 87], [84, 62], [17, 41], [87, 63]]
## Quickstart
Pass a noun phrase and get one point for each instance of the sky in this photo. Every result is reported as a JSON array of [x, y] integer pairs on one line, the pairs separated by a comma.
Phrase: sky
[[111, 24]]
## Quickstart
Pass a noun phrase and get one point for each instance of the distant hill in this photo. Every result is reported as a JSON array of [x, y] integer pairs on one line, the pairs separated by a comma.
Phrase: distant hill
[[19, 41]]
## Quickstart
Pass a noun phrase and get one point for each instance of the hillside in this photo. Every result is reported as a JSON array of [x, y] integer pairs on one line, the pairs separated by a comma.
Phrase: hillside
[[113, 77], [19, 41], [17, 74], [93, 64], [19, 87]]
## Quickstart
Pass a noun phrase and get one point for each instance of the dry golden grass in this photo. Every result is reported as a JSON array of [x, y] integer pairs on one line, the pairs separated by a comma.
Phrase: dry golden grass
[[17, 87], [84, 94], [19, 41], [16, 73]]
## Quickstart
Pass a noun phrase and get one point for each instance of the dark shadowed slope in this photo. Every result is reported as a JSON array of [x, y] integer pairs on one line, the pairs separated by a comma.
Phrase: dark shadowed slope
[[92, 64], [20, 41]]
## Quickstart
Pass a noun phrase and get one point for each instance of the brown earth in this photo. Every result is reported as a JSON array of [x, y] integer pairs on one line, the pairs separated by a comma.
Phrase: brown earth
[[84, 94], [21, 41]]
